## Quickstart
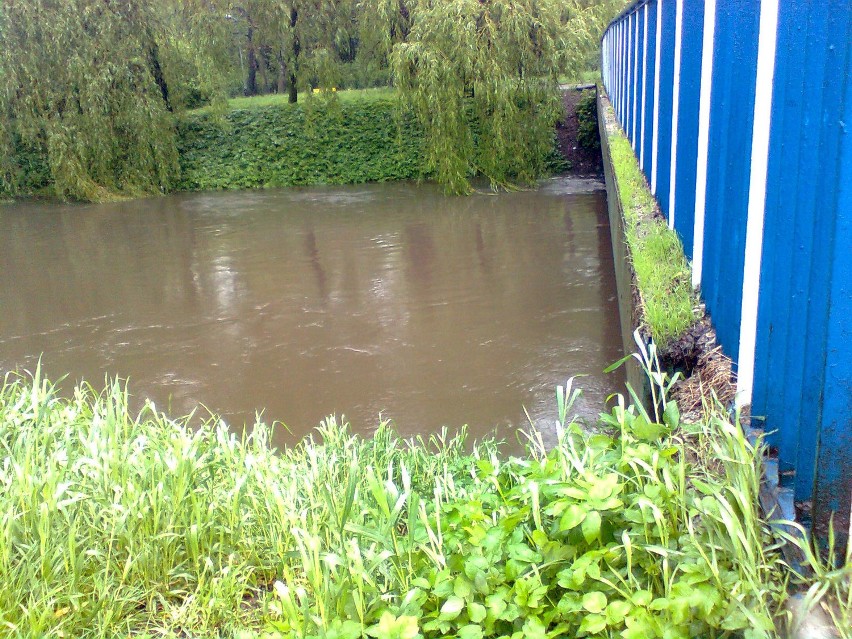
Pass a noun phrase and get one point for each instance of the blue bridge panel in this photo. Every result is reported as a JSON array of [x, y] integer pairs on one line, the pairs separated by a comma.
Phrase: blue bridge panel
[[798, 244], [687, 123], [664, 135], [650, 75], [729, 163]]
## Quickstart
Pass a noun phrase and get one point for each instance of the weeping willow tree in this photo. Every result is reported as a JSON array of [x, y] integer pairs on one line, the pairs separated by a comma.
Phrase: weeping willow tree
[[482, 76], [86, 84], [91, 86]]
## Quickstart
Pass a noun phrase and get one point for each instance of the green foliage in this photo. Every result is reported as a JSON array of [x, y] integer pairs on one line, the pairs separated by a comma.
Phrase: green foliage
[[145, 526], [26, 171], [662, 272], [483, 80], [84, 83], [825, 576], [320, 142], [90, 89], [587, 118]]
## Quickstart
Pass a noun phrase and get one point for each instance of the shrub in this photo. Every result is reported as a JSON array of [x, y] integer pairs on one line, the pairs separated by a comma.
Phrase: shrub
[[285, 145], [587, 117]]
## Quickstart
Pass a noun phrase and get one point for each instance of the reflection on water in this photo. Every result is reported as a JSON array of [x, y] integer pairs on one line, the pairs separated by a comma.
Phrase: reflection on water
[[380, 299]]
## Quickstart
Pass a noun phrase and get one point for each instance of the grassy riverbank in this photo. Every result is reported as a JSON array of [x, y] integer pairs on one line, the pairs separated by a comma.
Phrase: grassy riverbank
[[668, 302], [119, 525]]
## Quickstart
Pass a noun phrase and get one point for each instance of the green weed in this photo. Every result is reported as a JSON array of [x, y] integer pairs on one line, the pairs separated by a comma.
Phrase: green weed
[[588, 135], [117, 525], [825, 575], [662, 272]]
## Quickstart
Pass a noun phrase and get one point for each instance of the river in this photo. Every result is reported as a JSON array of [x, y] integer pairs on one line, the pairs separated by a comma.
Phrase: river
[[385, 299]]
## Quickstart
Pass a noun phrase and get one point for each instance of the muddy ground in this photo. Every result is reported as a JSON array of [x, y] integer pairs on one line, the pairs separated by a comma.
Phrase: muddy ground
[[584, 162]]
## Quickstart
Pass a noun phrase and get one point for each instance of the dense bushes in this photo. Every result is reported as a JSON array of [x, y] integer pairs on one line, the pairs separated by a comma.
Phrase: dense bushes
[[587, 118], [362, 137], [25, 172], [337, 142]]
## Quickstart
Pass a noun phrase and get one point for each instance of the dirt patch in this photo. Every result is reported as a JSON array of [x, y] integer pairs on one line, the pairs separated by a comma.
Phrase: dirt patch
[[584, 161], [707, 371]]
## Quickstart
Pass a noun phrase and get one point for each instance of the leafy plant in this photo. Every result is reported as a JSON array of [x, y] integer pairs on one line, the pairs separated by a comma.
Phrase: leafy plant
[[122, 525], [825, 576], [587, 119], [319, 142]]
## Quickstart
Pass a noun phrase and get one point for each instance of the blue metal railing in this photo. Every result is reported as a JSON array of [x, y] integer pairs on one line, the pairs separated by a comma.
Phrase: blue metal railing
[[740, 113]]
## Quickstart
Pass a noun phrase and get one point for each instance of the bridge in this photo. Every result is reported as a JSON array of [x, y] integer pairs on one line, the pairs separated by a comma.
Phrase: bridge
[[740, 115]]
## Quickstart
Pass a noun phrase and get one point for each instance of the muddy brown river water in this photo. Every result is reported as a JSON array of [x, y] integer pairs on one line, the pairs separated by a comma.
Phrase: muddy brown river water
[[388, 299]]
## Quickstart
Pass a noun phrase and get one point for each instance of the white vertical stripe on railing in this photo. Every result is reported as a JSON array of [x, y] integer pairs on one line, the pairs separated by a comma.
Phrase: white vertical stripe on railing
[[655, 141], [611, 64], [644, 87], [634, 138], [611, 36], [618, 65], [628, 76], [766, 48], [675, 109], [617, 80], [703, 139], [609, 61]]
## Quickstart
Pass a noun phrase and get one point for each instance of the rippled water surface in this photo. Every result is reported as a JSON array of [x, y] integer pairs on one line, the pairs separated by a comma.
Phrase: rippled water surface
[[384, 299]]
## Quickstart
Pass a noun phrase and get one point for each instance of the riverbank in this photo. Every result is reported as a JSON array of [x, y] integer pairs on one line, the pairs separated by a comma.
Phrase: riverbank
[[352, 137], [138, 525], [654, 281]]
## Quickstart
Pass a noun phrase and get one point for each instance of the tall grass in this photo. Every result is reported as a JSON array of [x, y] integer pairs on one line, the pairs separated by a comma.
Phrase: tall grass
[[662, 272], [120, 525], [113, 524], [824, 576]]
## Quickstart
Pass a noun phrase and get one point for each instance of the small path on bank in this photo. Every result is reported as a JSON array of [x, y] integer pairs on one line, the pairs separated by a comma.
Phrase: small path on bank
[[584, 161]]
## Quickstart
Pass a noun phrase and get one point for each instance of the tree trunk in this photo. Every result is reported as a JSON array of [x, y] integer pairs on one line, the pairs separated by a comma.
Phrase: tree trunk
[[297, 47], [294, 92], [251, 77], [157, 73]]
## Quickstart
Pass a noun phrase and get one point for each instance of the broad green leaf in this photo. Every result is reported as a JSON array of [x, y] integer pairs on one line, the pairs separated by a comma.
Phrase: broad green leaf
[[617, 611], [592, 526], [496, 605], [671, 415], [452, 607], [534, 629], [594, 601], [592, 624], [572, 517], [476, 612], [470, 631]]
